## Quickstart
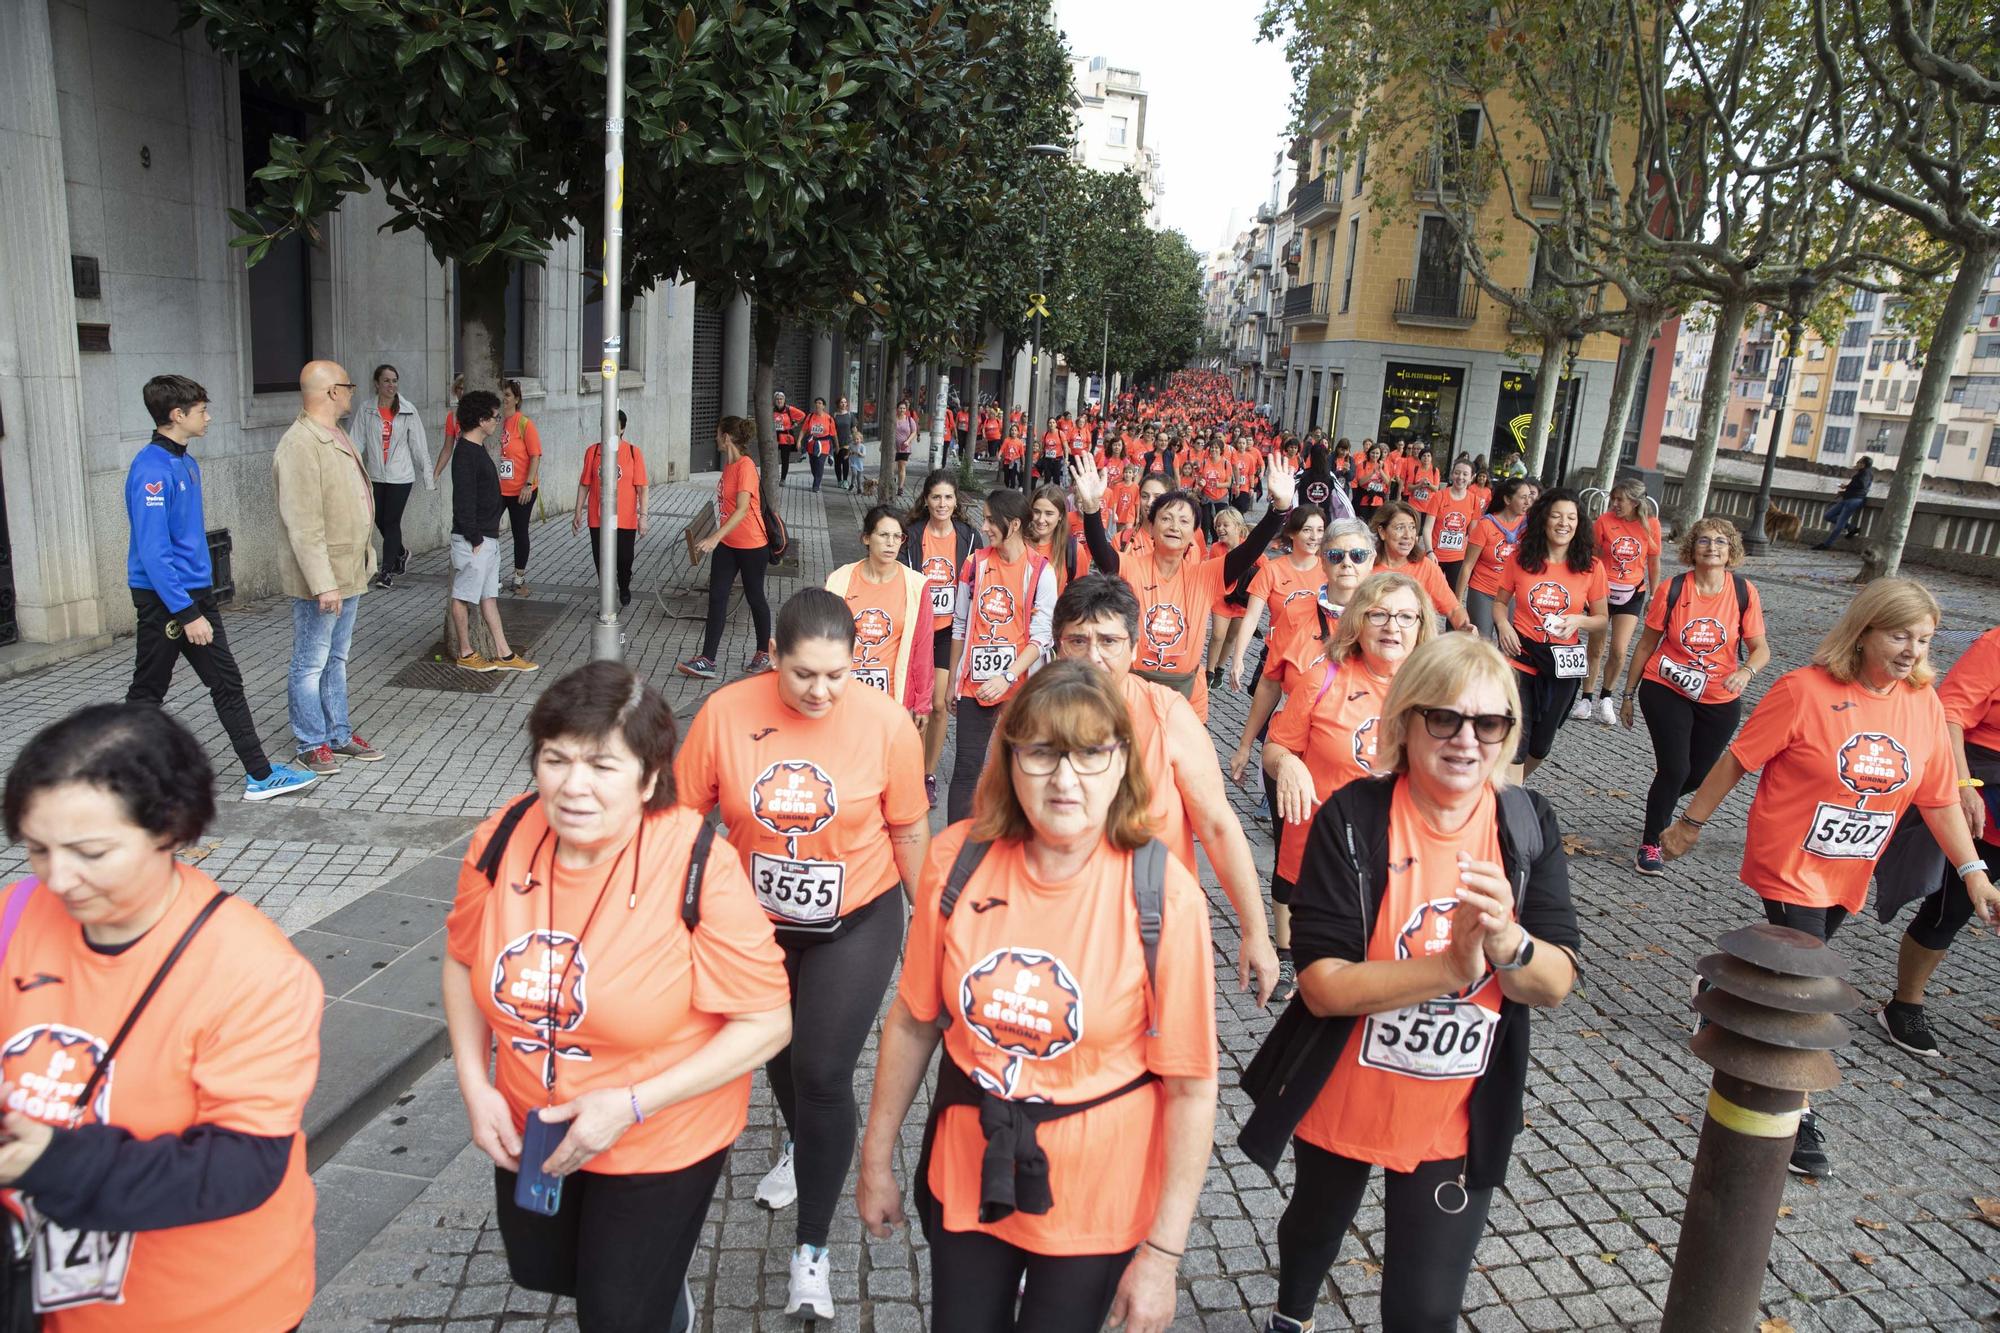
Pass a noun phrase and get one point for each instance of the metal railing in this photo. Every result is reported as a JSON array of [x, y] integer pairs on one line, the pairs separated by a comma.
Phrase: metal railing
[[1547, 183], [1452, 304], [1316, 198], [1306, 303]]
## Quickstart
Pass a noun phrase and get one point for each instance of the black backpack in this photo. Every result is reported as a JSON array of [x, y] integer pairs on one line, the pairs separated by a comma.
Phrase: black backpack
[[488, 863], [777, 540]]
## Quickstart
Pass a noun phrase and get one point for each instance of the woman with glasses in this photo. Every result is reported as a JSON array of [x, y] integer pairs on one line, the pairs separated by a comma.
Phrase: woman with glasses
[[1074, 1113], [1431, 913], [1490, 548], [1703, 643], [1396, 528], [894, 627], [1550, 597]]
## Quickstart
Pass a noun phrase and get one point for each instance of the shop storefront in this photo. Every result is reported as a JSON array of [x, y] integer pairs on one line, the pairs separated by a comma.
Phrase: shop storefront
[[1420, 402]]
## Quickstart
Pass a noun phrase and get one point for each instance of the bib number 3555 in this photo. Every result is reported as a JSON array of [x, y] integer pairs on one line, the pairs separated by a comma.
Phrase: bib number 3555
[[798, 893]]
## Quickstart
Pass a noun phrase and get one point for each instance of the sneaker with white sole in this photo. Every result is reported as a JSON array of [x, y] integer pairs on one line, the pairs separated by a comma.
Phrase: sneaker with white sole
[[810, 1292], [1607, 712], [1650, 861], [1580, 710], [281, 781], [1906, 1025], [1809, 1156], [780, 1185]]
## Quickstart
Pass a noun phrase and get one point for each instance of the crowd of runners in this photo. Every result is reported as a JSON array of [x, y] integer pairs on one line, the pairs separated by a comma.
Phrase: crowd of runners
[[1415, 632]]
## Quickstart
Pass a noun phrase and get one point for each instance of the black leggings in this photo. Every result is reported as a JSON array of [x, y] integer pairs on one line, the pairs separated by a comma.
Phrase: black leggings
[[520, 513], [619, 1244], [1688, 738], [1545, 701], [1818, 922], [390, 499], [837, 986], [973, 736], [1427, 1254], [627, 542], [722, 570], [975, 1279]]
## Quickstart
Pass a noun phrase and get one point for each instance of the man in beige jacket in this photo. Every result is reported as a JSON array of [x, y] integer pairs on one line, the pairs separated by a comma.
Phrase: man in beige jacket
[[325, 509]]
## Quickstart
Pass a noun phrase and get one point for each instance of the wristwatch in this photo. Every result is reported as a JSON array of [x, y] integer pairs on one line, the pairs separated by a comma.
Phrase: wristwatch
[[1522, 958], [1009, 677]]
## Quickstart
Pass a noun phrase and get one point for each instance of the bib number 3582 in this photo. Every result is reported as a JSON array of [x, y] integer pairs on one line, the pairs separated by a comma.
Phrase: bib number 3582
[[798, 893], [1843, 833], [74, 1268], [1572, 660], [1439, 1039]]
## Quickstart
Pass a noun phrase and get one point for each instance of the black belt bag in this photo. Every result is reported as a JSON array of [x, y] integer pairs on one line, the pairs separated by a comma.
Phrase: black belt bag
[[1182, 682]]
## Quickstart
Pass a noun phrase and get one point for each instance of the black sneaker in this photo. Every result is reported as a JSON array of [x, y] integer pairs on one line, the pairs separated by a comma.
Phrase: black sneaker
[[1288, 979], [1906, 1025], [1650, 861], [1280, 1324], [1809, 1153]]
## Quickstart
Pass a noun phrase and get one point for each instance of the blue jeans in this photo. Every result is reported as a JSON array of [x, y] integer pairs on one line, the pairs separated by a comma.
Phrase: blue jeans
[[1839, 514], [317, 690]]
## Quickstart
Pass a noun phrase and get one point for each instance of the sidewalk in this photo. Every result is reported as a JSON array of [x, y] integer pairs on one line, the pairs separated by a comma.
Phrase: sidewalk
[[1583, 1236]]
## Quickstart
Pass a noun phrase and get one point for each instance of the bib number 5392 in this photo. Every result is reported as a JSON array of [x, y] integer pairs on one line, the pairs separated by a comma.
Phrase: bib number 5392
[[990, 661]]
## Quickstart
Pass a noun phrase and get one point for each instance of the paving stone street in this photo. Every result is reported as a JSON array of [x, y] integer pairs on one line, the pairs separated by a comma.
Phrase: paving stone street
[[1582, 1236]]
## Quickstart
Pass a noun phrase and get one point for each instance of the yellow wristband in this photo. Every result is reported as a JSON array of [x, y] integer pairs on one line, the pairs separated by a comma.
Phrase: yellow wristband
[[1970, 782]]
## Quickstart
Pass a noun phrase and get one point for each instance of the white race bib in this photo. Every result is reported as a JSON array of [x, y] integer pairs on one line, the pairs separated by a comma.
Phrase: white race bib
[[990, 661], [75, 1268], [942, 595], [506, 468], [1842, 833], [876, 676], [1451, 540], [799, 893], [1438, 1039], [1572, 660], [1689, 680]]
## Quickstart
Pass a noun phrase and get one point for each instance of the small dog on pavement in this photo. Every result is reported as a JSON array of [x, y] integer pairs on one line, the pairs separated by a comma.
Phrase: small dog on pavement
[[1780, 525]]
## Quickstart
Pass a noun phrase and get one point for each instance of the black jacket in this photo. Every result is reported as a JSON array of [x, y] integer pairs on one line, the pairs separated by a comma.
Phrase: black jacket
[[1341, 882], [1857, 485], [475, 493], [966, 540]]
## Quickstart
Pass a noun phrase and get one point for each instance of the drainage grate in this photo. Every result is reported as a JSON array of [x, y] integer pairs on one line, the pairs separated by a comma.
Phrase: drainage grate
[[526, 622]]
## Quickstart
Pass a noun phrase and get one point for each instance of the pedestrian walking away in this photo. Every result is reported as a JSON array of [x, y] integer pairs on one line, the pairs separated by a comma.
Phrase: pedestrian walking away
[[520, 477], [939, 542], [895, 638], [476, 507], [740, 544], [1550, 596], [818, 782], [1001, 631], [1841, 748], [1628, 542], [1062, 1157], [183, 1204], [395, 458], [170, 574], [325, 508], [1841, 515], [1407, 1048], [1490, 549], [1703, 643], [611, 1107], [632, 491]]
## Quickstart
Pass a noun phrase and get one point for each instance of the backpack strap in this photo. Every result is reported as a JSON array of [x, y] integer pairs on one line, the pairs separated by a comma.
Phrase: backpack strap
[[1675, 586], [697, 871], [103, 1068], [496, 846], [1149, 876], [1523, 824], [970, 854]]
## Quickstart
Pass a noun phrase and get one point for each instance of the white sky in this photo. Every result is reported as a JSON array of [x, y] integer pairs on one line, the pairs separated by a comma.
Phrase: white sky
[[1217, 99]]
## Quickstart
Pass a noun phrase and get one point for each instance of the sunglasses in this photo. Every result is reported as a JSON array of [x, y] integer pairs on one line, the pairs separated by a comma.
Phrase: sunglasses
[[1360, 555], [1487, 728]]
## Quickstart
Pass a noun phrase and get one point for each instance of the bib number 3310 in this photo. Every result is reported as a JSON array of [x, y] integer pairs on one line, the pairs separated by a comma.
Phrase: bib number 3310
[[74, 1268]]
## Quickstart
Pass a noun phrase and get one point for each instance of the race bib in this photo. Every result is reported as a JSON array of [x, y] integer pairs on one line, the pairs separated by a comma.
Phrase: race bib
[[798, 893], [941, 599], [990, 661], [1572, 660], [75, 1268], [1453, 540], [1438, 1039], [1842, 833], [506, 468], [1691, 681], [876, 676]]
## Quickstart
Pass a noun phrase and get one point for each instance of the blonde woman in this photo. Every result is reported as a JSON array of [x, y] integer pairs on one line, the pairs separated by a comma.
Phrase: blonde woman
[[1628, 542], [1226, 622]]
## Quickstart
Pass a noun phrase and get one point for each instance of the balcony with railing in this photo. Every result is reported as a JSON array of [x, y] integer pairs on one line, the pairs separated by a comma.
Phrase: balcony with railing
[[1294, 251], [1250, 354], [1448, 304], [1315, 200], [1265, 215], [1306, 303], [1548, 183]]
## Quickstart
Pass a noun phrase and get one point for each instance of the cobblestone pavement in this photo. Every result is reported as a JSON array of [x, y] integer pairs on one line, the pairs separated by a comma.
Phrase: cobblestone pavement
[[1583, 1235]]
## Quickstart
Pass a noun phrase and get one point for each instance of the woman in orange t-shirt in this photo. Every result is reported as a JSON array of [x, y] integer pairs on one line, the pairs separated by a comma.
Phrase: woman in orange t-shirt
[[520, 475], [1449, 519], [1012, 450], [1425, 935], [1396, 528], [938, 544], [1226, 623], [1372, 479], [1050, 535], [1490, 548], [1842, 748], [1549, 598], [166, 1178], [739, 545], [1628, 542], [894, 626], [819, 781], [1297, 576], [1100, 1060], [572, 968]]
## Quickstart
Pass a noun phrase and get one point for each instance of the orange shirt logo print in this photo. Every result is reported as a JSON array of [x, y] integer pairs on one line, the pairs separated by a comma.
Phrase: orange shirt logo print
[[1428, 933], [1702, 637], [1548, 598], [794, 798], [48, 1064], [1166, 625], [1625, 552], [1025, 1003], [1873, 764], [538, 980], [996, 606], [938, 569], [872, 627], [1367, 738]]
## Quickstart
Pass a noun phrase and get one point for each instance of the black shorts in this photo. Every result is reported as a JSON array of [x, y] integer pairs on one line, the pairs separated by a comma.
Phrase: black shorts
[[941, 649], [1635, 605]]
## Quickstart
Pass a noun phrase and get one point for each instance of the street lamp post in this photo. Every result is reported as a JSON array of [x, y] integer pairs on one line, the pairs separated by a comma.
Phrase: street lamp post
[[1104, 357], [1041, 293], [1798, 293], [1567, 388], [607, 640]]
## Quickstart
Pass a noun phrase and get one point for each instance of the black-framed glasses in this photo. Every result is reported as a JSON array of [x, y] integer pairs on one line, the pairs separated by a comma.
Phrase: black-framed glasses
[[1360, 555], [1083, 642], [1487, 728], [1039, 761], [1379, 616]]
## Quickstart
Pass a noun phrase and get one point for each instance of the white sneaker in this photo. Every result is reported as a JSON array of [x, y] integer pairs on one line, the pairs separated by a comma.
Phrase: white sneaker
[[811, 1290], [780, 1186], [1580, 710], [1607, 712]]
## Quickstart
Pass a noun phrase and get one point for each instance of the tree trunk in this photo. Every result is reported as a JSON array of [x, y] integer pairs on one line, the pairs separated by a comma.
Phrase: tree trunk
[[1548, 380], [1639, 333], [940, 414], [1939, 359], [763, 383], [885, 423], [482, 340], [1714, 397]]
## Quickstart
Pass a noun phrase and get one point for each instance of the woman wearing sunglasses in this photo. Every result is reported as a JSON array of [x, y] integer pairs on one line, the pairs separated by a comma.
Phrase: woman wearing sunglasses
[[1431, 913]]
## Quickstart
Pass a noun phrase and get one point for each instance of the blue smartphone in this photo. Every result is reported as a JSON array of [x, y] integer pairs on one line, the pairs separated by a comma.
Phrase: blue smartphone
[[534, 1188]]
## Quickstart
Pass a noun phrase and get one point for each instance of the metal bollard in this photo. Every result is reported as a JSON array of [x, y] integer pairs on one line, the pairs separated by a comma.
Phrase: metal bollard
[[1773, 1008]]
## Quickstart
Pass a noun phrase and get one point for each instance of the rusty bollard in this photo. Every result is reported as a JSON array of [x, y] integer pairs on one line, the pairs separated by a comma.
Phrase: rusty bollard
[[1773, 1006]]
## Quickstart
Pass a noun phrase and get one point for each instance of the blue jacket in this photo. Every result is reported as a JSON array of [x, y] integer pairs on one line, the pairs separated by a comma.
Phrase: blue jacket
[[168, 553]]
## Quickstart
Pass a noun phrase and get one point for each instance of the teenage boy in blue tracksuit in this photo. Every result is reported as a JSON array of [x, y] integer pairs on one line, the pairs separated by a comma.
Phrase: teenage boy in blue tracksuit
[[168, 568]]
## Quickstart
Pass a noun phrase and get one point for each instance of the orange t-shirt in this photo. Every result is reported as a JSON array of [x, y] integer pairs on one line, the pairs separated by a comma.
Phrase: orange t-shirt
[[1288, 592], [388, 429], [625, 993], [1371, 483], [1430, 577], [990, 428], [1698, 639], [631, 476], [940, 567], [1012, 448], [1399, 1094], [520, 444], [1625, 546], [1152, 708], [1045, 991], [1330, 717], [1497, 544], [1839, 766], [1002, 605], [1225, 608], [1121, 502], [1453, 523], [1214, 475], [881, 621], [1554, 591], [808, 801], [1052, 444], [231, 1040], [740, 477], [1970, 692], [1173, 615]]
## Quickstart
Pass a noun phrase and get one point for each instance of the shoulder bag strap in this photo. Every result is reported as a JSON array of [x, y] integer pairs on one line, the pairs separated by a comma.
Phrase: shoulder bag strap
[[1149, 874], [496, 846], [1524, 825], [970, 854], [145, 997], [696, 873]]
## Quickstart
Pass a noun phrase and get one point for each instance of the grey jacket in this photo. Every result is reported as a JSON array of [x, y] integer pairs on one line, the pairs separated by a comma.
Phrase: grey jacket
[[409, 448]]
